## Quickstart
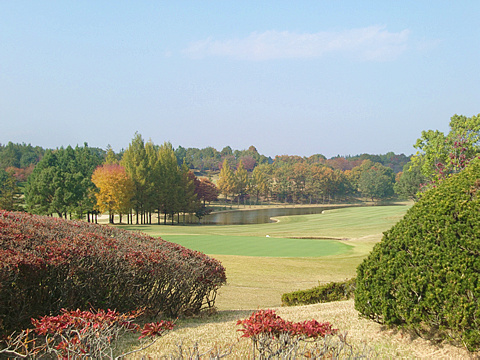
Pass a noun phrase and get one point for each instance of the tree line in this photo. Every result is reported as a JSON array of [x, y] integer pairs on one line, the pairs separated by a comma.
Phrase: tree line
[[147, 181], [296, 180]]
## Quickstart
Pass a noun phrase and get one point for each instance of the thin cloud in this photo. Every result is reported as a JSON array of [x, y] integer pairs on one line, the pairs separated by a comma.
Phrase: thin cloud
[[371, 43]]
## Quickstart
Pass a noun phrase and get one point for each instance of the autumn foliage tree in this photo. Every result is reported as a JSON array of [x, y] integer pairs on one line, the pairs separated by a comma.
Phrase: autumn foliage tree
[[241, 181], [226, 181], [115, 190], [206, 190]]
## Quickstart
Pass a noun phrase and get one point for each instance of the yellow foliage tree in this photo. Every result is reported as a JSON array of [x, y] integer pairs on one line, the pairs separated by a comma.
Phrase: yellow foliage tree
[[115, 190]]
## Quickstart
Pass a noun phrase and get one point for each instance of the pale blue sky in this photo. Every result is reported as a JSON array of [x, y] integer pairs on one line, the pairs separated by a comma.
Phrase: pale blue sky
[[290, 77]]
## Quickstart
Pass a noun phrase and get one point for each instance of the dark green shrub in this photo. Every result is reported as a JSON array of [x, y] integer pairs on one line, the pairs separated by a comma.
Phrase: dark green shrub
[[47, 264], [425, 273], [334, 291]]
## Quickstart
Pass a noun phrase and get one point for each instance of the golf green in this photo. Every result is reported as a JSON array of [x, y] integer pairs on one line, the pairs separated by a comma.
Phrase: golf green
[[259, 246]]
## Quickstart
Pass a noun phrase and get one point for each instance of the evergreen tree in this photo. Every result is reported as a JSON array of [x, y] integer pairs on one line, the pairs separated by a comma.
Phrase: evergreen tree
[[9, 192], [61, 182]]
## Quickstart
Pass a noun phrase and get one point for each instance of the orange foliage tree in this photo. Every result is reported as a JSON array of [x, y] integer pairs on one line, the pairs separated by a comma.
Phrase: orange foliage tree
[[115, 190]]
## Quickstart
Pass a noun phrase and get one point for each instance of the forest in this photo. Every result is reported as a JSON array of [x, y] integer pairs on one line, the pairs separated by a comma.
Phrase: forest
[[147, 182]]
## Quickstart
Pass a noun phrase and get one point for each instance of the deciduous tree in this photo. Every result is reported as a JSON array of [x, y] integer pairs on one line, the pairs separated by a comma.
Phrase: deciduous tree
[[241, 181], [260, 181], [409, 182], [377, 182], [115, 190], [206, 190], [135, 162], [226, 180], [440, 155]]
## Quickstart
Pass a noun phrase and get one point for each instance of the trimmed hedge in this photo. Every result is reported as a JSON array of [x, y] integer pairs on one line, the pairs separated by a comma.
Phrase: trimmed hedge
[[47, 264], [334, 291], [425, 273]]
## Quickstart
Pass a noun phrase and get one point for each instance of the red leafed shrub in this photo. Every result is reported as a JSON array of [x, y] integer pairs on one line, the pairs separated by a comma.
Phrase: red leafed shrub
[[81, 334], [48, 264], [274, 337]]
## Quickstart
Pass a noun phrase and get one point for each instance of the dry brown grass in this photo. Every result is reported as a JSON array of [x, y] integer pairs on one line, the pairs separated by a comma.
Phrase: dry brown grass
[[220, 331]]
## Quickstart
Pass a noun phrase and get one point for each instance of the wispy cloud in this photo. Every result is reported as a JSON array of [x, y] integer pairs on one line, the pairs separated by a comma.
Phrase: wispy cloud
[[373, 43]]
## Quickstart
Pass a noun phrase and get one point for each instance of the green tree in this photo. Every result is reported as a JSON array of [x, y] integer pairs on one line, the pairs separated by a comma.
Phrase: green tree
[[170, 181], [377, 182], [61, 182], [110, 157], [409, 182], [19, 155], [87, 159], [440, 155], [9, 193], [135, 162], [226, 151]]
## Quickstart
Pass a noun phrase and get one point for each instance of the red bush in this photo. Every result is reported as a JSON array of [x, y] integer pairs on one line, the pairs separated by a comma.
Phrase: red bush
[[275, 337], [80, 334], [47, 264]]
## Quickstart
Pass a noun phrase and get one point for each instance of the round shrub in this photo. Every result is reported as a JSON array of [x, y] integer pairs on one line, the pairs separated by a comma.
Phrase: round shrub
[[48, 264], [425, 273]]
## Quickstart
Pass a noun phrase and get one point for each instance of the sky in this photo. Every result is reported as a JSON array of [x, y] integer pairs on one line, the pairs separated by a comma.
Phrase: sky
[[289, 77]]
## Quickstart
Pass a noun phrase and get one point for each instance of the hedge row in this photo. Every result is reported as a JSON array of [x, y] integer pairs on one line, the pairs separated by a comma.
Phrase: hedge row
[[334, 291], [47, 264]]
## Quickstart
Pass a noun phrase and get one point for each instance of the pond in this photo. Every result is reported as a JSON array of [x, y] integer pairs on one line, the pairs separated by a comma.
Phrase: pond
[[258, 216]]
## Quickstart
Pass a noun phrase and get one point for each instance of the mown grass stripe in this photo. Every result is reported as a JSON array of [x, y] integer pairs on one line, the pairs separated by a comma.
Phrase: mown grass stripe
[[259, 246]]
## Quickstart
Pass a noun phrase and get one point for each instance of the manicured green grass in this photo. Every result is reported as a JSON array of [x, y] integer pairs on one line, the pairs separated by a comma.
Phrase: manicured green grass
[[259, 246], [259, 281]]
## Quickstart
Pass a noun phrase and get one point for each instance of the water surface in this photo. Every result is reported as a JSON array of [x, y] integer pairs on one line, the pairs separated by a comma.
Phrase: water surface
[[258, 216]]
